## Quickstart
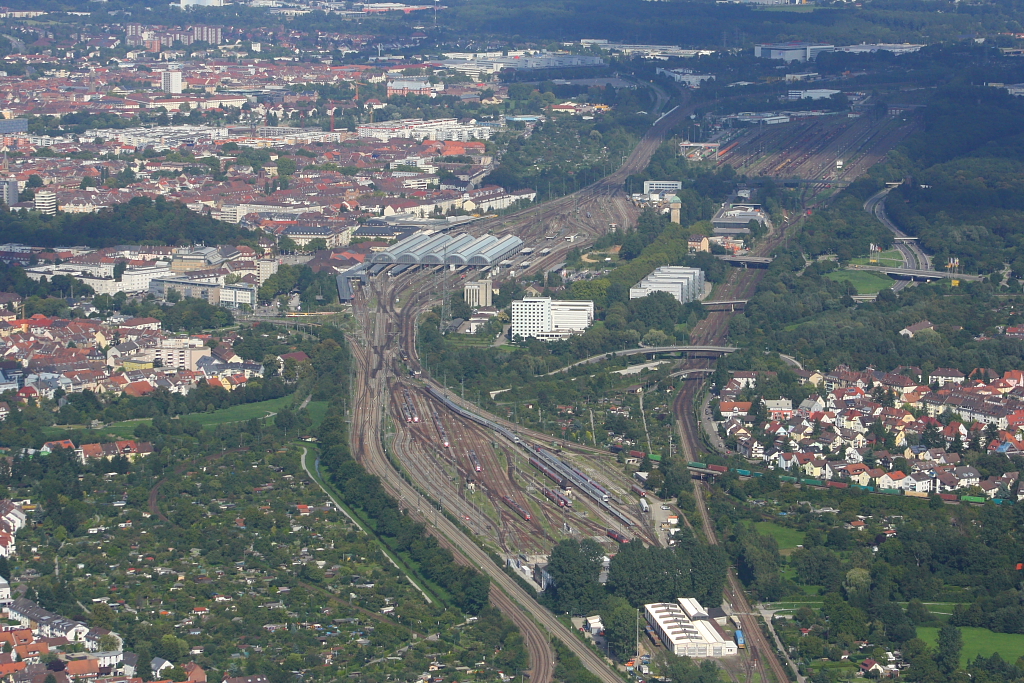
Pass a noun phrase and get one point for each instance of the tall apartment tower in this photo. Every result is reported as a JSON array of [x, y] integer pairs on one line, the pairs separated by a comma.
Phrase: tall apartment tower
[[171, 82], [208, 34], [478, 294], [46, 202], [9, 191]]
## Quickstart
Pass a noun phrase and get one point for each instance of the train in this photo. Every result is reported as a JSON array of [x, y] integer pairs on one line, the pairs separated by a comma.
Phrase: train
[[410, 408], [638, 490], [741, 642], [441, 431], [616, 536], [644, 507], [564, 474], [475, 461], [557, 498], [516, 507], [828, 484]]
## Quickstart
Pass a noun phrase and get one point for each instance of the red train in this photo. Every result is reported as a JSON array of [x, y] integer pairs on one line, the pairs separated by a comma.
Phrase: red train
[[516, 507], [557, 498], [638, 490], [616, 536]]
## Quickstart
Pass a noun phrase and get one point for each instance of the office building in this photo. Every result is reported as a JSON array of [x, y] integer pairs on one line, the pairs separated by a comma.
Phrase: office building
[[478, 294], [685, 629], [792, 52], [170, 82], [660, 186], [685, 284], [46, 202], [544, 318], [9, 191]]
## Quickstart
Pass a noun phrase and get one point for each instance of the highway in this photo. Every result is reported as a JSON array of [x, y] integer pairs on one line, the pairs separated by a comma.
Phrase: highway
[[913, 257], [917, 273]]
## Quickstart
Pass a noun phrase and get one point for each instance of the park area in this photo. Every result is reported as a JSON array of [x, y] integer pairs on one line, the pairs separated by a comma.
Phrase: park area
[[981, 641], [865, 282]]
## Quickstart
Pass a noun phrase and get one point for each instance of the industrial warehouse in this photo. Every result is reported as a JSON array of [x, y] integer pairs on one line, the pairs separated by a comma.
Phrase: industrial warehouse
[[685, 629], [435, 249]]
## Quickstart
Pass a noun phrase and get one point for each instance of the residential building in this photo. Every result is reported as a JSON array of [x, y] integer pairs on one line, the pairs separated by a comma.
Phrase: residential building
[[170, 82], [46, 202]]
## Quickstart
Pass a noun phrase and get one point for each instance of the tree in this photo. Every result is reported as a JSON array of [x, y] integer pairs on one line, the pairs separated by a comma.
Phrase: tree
[[619, 620], [951, 642], [575, 566], [318, 244], [34, 182], [285, 166]]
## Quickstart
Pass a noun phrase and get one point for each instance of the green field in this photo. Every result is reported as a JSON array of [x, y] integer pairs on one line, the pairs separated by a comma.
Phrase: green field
[[892, 258], [865, 282], [317, 410], [981, 641], [788, 539]]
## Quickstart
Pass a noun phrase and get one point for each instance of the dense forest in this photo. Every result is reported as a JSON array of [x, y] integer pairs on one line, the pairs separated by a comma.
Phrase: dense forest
[[141, 220], [965, 180]]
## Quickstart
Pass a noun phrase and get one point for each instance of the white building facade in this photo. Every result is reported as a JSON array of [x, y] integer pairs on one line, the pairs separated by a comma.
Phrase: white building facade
[[548, 319]]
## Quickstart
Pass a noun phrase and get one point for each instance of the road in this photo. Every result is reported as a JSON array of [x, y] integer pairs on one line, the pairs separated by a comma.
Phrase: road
[[720, 350], [913, 257]]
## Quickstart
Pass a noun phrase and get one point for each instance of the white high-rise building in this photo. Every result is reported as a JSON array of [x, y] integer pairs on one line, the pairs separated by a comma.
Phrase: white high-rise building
[[478, 294], [545, 318], [685, 284], [46, 202], [171, 82]]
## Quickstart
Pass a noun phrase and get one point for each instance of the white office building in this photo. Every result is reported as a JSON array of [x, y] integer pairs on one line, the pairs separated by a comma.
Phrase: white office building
[[683, 634], [170, 82], [478, 294], [660, 186], [792, 52], [548, 319], [685, 284]]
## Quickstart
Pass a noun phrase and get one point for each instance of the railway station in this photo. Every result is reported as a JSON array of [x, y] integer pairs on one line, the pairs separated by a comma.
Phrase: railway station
[[435, 249]]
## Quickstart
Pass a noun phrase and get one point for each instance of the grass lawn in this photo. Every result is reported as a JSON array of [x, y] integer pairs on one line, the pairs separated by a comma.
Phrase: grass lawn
[[891, 258], [317, 410], [981, 641], [865, 282], [243, 412], [788, 539]]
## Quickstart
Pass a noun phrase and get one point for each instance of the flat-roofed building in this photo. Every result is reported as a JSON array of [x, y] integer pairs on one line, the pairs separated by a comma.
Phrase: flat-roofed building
[[685, 636], [478, 294], [685, 284], [544, 318], [792, 52]]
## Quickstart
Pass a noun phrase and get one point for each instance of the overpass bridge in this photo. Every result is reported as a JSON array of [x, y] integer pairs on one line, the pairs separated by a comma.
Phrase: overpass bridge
[[650, 350], [747, 261], [918, 274], [729, 305]]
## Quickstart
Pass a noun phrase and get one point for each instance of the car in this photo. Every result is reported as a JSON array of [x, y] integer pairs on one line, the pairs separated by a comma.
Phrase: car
[[665, 507]]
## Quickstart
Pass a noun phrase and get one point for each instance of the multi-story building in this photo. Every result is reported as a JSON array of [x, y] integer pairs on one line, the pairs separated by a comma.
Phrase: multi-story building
[[478, 294], [9, 191], [213, 35], [792, 52], [46, 202], [685, 284], [548, 319], [170, 82]]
